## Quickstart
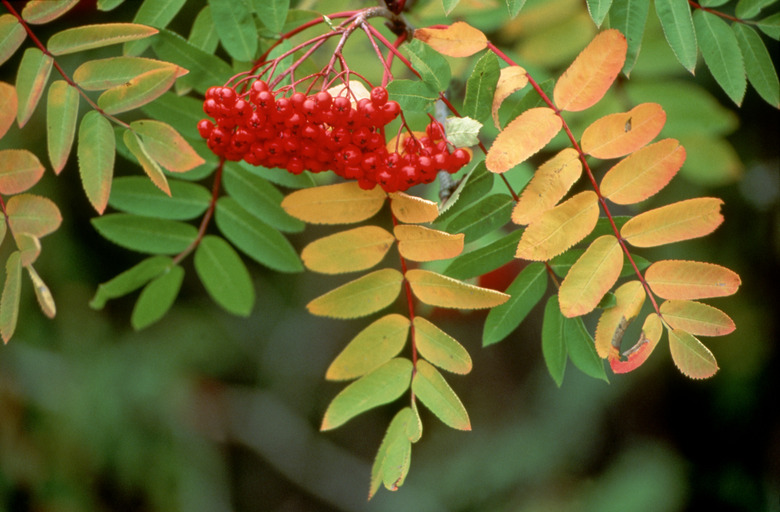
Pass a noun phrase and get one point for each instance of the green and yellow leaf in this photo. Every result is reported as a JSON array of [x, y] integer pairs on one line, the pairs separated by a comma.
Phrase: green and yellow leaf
[[696, 318], [634, 357], [12, 290], [457, 40], [617, 135], [591, 277], [511, 79], [419, 243], [442, 291], [31, 214], [31, 78], [691, 218], [391, 464], [361, 297], [166, 146], [348, 251], [629, 298], [429, 386], [42, 293], [138, 91], [592, 73], [101, 74], [29, 247], [19, 170], [87, 37], [690, 280], [691, 356], [96, 152], [8, 103], [523, 137], [38, 12], [62, 108], [342, 203], [12, 35], [559, 228], [150, 166], [439, 348], [412, 209], [551, 181]]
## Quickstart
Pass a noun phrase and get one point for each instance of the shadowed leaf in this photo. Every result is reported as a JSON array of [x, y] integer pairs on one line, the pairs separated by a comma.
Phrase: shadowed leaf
[[634, 357], [272, 13], [458, 40], [629, 298], [523, 137], [553, 341], [438, 290], [760, 69], [138, 195], [481, 87], [619, 134], [581, 349], [630, 17], [691, 218], [9, 302], [680, 279], [721, 53], [525, 292], [348, 251], [130, 280], [361, 297], [235, 25]]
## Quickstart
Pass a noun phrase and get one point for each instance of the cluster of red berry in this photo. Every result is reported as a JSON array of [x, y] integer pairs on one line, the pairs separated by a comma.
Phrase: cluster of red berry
[[320, 132]]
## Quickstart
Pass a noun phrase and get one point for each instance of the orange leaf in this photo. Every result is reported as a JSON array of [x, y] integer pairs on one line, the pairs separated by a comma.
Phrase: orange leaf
[[614, 321], [418, 243], [559, 228], [19, 170], [348, 251], [512, 78], [679, 279], [360, 297], [438, 290], [413, 209], [458, 40], [675, 222], [35, 215], [342, 203], [617, 135], [591, 74], [696, 318], [652, 330], [591, 276], [8, 103], [691, 356], [523, 137], [644, 173], [548, 185]]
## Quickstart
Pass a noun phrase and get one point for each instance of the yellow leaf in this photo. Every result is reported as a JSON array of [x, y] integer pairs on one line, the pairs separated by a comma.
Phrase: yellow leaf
[[591, 276], [619, 134], [42, 293], [512, 78], [614, 321], [361, 297], [652, 330], [689, 355], [644, 173], [523, 137], [592, 73], [688, 280], [458, 40], [696, 318], [342, 203], [348, 251], [418, 243], [413, 209], [8, 105], [29, 247], [559, 228], [439, 348], [551, 181], [675, 222], [438, 290]]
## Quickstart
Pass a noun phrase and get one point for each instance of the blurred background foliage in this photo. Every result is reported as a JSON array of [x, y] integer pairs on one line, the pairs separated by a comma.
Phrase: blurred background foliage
[[208, 412]]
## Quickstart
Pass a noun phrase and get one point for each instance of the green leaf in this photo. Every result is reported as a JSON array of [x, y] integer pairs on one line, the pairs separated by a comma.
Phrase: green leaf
[[272, 13], [31, 78], [553, 342], [769, 25], [38, 12], [101, 74], [155, 13], [359, 297], [598, 10], [12, 35], [475, 185], [144, 234], [130, 280], [721, 53], [376, 388], [629, 16], [449, 5], [139, 91], [375, 345], [203, 34], [108, 5], [439, 348], [206, 69], [462, 132], [758, 63], [19, 171], [481, 87], [181, 112], [514, 7], [525, 292], [166, 146], [150, 166], [482, 218], [432, 66], [393, 458], [747, 9], [677, 25], [62, 108], [259, 198], [485, 259], [255, 238], [412, 95], [96, 152], [12, 290], [582, 349], [87, 37], [280, 176], [137, 195], [531, 100], [31, 214], [224, 275], [156, 298], [429, 386], [236, 28]]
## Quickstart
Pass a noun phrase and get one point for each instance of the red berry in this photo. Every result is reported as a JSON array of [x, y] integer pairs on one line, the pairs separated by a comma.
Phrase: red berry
[[204, 128], [379, 96], [435, 131], [323, 99]]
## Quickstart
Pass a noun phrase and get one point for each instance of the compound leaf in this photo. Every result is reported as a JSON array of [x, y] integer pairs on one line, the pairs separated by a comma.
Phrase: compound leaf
[[360, 297], [525, 292], [371, 348], [683, 220], [591, 277], [689, 355], [35, 215], [62, 108], [689, 280], [87, 37], [629, 298], [96, 152], [457, 40], [430, 387], [696, 318], [591, 74], [551, 181], [721, 53], [523, 137], [619, 134], [677, 24], [559, 228], [342, 203], [378, 387], [224, 275], [136, 194], [442, 291], [130, 280], [348, 251], [157, 297], [439, 348], [166, 146], [19, 170], [419, 243], [34, 70]]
